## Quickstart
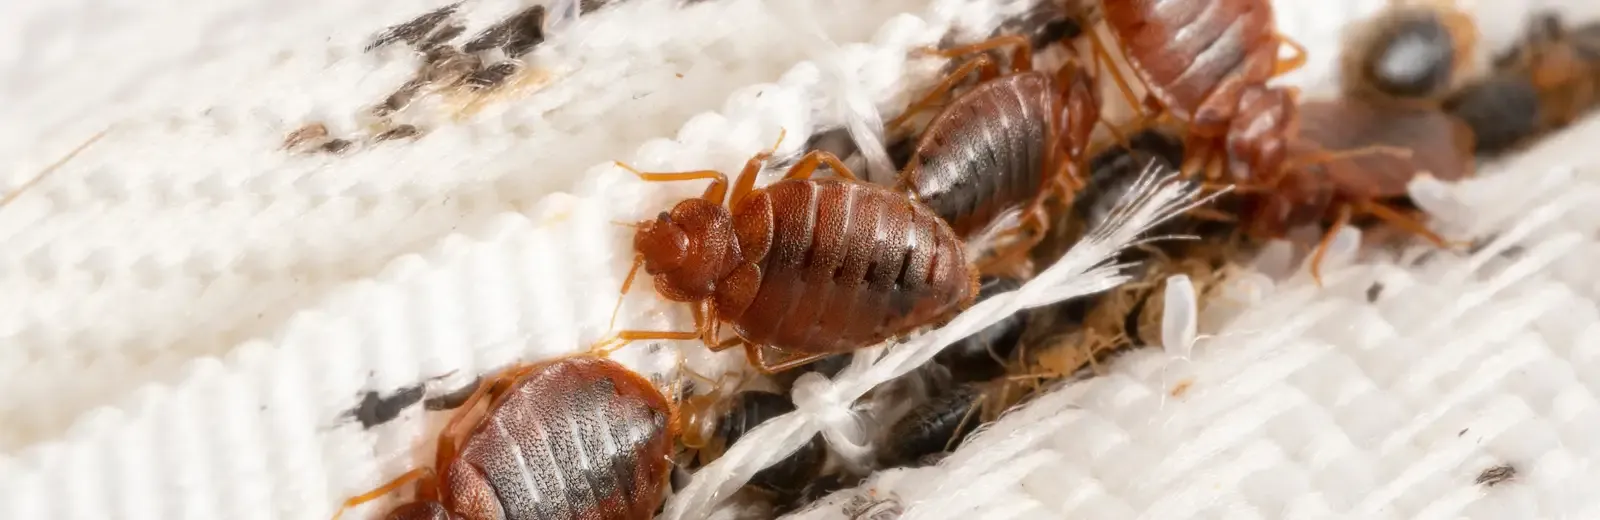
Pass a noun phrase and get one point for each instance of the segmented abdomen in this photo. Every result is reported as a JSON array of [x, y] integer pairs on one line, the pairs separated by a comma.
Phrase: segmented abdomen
[[579, 438], [986, 152], [1184, 50], [850, 264]]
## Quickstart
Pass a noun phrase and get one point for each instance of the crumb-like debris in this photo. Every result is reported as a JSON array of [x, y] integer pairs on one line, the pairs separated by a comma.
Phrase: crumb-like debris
[[1374, 292], [1496, 475], [863, 508], [452, 400], [515, 35], [304, 135], [413, 32], [399, 132], [447, 67], [400, 99], [337, 146], [376, 409], [1181, 388], [442, 36]]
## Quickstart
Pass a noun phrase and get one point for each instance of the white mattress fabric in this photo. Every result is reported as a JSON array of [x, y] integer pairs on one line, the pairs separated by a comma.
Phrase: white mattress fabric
[[190, 314]]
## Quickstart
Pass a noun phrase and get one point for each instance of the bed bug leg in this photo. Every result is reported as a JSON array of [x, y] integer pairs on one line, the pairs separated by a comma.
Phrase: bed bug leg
[[1021, 55], [987, 68], [424, 474], [1295, 62], [757, 355], [1327, 239]]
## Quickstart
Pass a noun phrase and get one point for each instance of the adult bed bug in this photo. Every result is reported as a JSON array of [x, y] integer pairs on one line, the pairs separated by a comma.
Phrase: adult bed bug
[[806, 267], [575, 437]]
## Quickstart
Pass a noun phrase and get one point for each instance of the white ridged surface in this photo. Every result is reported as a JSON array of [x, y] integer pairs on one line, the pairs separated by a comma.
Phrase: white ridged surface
[[515, 286], [185, 232], [135, 276]]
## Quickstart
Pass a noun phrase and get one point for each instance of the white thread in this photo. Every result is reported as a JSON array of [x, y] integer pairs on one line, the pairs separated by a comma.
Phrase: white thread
[[1150, 201], [816, 397]]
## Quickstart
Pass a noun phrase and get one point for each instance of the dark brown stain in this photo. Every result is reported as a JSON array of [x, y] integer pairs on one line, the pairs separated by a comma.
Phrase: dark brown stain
[[1496, 475]]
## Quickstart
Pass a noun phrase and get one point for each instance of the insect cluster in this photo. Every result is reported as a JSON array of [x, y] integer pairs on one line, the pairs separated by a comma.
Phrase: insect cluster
[[1016, 166]]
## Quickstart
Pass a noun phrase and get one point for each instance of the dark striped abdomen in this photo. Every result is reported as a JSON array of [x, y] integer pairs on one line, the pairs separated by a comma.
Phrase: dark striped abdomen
[[986, 152], [849, 265], [1186, 49], [580, 438]]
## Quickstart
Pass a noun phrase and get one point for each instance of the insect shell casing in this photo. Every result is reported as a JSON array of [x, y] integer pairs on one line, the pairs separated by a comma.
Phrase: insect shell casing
[[580, 437]]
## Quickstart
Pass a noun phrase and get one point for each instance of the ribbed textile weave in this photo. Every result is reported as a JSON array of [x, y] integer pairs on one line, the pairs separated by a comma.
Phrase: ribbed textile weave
[[190, 314]]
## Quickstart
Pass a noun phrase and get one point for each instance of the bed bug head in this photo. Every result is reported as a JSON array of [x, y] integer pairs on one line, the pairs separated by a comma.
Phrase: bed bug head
[[688, 249], [661, 243]]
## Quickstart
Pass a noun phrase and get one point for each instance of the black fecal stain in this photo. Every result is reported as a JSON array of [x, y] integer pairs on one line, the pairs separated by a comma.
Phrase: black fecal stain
[[337, 146], [413, 32], [1374, 292], [515, 35], [442, 36], [1497, 475], [399, 132], [492, 75], [375, 409]]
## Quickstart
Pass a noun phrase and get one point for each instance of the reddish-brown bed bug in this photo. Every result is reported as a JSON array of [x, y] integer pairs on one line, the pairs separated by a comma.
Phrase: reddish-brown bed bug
[[575, 437], [805, 267]]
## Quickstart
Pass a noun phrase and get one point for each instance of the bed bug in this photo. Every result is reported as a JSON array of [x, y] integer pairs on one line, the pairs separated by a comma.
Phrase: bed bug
[[1206, 63], [535, 452], [937, 426], [1015, 140], [805, 267], [710, 426], [1311, 193], [1411, 52]]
